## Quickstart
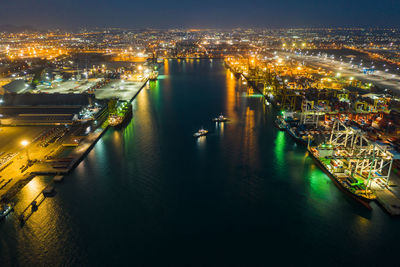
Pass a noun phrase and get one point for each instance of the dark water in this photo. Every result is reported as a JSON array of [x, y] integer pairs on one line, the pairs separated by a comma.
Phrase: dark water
[[152, 195]]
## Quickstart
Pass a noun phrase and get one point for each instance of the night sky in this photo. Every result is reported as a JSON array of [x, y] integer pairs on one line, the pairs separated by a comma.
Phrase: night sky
[[72, 14]]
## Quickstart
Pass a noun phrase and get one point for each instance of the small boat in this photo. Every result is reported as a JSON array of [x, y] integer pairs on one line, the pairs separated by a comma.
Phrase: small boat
[[5, 210], [200, 132], [220, 118]]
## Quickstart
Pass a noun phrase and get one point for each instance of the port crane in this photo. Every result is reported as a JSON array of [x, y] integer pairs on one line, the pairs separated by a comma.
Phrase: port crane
[[369, 160]]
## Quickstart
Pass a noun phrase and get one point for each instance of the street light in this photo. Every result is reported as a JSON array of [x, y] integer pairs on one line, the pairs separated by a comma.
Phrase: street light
[[25, 144]]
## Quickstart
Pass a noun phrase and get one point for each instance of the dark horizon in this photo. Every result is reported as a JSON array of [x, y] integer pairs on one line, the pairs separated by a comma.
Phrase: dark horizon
[[72, 15]]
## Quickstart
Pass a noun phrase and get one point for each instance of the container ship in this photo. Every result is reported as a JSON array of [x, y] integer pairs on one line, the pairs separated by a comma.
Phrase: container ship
[[299, 132], [336, 167], [121, 115]]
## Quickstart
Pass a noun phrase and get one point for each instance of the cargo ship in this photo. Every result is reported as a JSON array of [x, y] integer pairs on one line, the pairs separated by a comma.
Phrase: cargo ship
[[297, 131], [299, 136], [334, 166], [121, 115], [153, 75]]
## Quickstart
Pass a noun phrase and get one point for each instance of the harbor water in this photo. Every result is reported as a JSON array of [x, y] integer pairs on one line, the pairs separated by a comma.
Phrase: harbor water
[[152, 195]]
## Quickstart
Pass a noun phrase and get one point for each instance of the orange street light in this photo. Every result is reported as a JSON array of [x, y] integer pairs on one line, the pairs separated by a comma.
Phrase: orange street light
[[25, 144]]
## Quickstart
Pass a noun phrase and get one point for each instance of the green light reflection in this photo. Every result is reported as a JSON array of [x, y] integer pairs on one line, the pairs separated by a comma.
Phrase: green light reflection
[[280, 149], [319, 183]]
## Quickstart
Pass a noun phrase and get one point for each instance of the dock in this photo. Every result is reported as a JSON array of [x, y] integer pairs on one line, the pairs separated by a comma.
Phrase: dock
[[277, 92], [53, 165], [48, 191], [58, 178], [387, 199]]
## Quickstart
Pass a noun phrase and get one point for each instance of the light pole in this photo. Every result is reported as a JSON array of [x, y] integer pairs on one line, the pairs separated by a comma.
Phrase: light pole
[[25, 144]]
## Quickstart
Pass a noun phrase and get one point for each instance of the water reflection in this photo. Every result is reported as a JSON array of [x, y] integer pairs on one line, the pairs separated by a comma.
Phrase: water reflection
[[30, 191], [219, 128], [230, 95], [166, 67], [280, 149], [319, 183], [155, 87], [249, 142], [201, 142]]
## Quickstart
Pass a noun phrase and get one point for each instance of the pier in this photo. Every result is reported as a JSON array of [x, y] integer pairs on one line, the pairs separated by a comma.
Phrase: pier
[[361, 153]]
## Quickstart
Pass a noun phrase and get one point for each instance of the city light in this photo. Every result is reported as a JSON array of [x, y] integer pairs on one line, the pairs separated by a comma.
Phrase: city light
[[24, 143]]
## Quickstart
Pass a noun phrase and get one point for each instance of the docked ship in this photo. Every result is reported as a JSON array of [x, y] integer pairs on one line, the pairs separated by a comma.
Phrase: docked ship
[[153, 75], [297, 131], [335, 167], [297, 136], [121, 115], [300, 134]]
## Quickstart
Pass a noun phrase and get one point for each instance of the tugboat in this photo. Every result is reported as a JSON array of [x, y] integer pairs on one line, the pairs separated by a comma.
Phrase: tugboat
[[280, 123], [200, 132], [220, 118], [5, 210], [121, 114]]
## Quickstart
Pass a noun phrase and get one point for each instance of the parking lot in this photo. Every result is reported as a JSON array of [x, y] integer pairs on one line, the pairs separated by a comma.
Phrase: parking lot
[[123, 90]]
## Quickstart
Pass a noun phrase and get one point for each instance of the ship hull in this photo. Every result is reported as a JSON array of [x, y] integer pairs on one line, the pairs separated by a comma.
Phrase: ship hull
[[280, 126], [361, 200], [126, 119], [297, 138]]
